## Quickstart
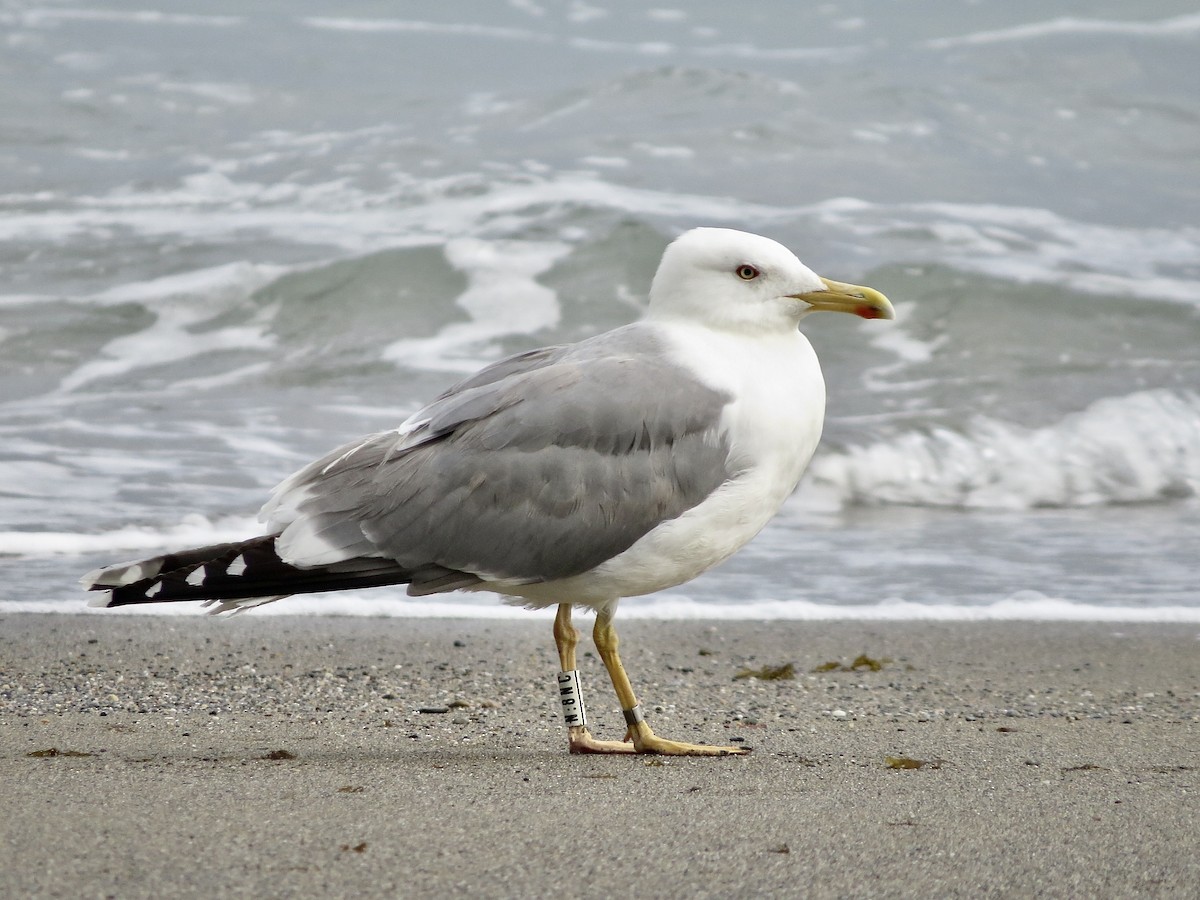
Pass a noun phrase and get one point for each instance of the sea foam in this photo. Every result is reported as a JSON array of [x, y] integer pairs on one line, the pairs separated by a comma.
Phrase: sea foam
[[1139, 448], [1020, 606]]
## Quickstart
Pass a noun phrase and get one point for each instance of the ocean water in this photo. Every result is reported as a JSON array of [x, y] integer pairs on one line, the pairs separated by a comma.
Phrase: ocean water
[[232, 237]]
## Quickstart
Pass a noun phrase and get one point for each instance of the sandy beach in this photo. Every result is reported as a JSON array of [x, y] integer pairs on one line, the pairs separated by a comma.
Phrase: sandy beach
[[277, 756]]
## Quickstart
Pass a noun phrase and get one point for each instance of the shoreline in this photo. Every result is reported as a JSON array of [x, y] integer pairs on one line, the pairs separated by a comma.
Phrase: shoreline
[[1061, 759]]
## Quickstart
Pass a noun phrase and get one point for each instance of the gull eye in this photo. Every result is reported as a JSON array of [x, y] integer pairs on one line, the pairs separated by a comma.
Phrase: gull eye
[[747, 272]]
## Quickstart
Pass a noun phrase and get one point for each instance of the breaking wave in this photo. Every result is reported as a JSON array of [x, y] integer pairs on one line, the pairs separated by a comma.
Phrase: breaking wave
[[1140, 448]]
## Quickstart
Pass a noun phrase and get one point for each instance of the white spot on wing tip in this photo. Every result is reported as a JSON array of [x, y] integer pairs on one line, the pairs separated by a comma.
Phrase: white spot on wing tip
[[154, 589], [122, 574], [237, 566], [196, 576]]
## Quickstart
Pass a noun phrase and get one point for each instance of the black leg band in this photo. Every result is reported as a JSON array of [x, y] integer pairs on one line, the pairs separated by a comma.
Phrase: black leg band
[[633, 716]]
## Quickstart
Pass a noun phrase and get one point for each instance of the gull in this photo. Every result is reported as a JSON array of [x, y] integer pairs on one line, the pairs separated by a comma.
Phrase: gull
[[572, 475]]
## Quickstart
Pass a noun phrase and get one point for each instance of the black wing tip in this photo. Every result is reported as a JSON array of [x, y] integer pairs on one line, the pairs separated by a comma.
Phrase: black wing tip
[[245, 574]]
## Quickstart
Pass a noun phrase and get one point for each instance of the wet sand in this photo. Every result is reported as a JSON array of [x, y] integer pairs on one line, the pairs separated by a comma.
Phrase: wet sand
[[279, 756]]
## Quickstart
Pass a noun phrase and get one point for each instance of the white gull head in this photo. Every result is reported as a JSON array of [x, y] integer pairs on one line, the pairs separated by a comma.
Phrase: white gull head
[[736, 281]]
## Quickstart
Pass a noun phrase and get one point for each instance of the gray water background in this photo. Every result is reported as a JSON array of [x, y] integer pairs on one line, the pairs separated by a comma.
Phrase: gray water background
[[233, 236]]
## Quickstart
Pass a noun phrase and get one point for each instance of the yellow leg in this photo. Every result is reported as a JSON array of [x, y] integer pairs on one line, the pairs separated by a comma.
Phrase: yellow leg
[[566, 638], [644, 740]]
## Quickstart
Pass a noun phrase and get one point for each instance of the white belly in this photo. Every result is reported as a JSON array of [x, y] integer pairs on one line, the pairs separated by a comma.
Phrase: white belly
[[773, 427]]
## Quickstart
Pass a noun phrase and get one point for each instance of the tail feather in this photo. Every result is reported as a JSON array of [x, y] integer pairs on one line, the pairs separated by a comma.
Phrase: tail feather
[[250, 573]]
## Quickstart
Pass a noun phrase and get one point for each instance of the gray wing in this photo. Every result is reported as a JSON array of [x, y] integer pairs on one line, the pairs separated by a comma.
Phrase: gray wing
[[540, 467]]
